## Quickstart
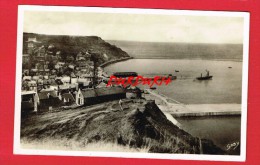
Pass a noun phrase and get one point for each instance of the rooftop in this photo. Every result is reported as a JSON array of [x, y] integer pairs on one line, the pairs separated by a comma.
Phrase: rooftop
[[105, 91], [28, 92]]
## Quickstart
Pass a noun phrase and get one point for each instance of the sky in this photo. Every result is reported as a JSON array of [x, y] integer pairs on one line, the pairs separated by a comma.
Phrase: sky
[[137, 27]]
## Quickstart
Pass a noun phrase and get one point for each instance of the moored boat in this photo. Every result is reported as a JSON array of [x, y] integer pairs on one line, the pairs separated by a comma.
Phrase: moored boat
[[207, 77], [204, 78]]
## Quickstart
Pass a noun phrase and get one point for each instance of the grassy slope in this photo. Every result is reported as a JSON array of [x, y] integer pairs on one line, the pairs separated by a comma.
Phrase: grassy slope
[[139, 127]]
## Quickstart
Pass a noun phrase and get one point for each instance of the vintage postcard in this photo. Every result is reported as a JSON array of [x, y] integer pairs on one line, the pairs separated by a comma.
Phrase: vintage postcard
[[137, 83]]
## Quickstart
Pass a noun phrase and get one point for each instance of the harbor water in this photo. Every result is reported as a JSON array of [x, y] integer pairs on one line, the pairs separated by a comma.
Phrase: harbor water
[[224, 89]]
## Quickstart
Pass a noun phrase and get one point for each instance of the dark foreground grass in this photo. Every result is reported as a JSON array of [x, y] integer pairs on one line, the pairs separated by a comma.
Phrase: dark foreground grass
[[139, 127]]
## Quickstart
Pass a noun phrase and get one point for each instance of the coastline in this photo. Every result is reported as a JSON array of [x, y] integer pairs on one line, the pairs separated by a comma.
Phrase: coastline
[[170, 58], [114, 61]]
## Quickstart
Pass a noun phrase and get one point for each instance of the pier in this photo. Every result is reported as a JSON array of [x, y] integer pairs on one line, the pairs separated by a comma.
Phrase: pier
[[177, 109]]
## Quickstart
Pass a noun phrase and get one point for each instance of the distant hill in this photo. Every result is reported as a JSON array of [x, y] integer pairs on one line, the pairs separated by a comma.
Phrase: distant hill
[[181, 50], [72, 45]]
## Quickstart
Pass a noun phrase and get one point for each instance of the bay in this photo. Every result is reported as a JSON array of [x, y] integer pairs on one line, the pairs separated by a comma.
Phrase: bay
[[224, 89]]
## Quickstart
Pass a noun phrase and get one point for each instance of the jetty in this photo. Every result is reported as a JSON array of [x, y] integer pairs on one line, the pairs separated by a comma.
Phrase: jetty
[[177, 109]]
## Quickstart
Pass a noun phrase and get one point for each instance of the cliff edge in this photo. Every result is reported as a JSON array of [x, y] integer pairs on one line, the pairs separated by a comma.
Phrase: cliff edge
[[137, 125]]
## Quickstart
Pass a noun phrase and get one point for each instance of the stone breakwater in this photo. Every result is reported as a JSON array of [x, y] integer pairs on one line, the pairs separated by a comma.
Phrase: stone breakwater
[[177, 109]]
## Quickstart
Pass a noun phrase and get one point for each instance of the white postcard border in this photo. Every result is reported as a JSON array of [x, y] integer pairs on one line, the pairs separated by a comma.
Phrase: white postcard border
[[17, 148]]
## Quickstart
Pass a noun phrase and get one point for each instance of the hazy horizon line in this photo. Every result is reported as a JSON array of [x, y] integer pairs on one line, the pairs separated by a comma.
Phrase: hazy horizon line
[[217, 43]]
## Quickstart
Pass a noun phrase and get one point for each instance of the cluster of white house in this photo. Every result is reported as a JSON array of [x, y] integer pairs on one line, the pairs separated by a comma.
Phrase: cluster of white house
[[43, 88], [44, 67]]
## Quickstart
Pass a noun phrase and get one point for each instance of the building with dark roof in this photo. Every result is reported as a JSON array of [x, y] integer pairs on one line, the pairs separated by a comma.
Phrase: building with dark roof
[[99, 95], [67, 99], [125, 74], [29, 102], [45, 94], [48, 99]]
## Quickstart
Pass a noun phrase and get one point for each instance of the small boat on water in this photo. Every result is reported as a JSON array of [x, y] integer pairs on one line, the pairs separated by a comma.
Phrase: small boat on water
[[204, 78], [207, 77], [177, 71], [172, 77]]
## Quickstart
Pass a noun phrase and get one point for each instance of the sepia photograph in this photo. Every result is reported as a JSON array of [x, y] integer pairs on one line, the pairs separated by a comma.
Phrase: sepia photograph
[[137, 83]]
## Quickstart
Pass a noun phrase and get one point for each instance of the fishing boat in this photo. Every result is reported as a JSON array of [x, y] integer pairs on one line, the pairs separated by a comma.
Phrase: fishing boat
[[204, 78], [207, 77]]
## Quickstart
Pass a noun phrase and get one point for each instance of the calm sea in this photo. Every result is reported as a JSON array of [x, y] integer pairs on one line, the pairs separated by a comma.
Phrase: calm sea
[[224, 89]]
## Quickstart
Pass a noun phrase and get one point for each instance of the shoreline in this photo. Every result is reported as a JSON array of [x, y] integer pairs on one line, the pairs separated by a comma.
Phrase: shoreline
[[114, 61], [169, 58], [177, 109], [164, 58]]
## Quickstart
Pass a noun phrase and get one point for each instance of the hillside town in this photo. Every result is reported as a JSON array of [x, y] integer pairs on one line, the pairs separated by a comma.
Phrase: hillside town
[[49, 81]]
